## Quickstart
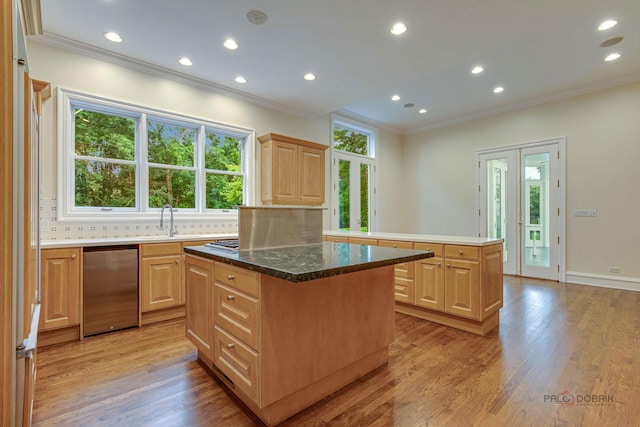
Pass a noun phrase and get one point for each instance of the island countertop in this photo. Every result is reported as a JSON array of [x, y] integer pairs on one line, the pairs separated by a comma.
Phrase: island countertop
[[309, 262]]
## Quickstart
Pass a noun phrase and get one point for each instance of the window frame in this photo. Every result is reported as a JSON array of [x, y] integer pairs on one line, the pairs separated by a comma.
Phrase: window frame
[[69, 99], [371, 160]]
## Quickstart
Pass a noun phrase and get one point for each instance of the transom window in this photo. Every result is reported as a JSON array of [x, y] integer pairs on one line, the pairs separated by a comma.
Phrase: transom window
[[120, 159]]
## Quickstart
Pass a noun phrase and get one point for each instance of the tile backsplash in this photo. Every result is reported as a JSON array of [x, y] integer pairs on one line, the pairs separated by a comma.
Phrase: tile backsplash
[[51, 229]]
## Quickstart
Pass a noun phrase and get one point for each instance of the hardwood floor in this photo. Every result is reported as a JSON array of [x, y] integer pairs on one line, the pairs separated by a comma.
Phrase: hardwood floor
[[553, 337]]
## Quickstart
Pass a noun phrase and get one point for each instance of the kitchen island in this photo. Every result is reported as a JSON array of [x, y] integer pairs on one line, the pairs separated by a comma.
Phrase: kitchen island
[[285, 327]]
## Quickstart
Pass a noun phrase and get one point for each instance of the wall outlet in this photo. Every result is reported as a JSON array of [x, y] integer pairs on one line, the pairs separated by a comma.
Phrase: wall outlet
[[614, 269]]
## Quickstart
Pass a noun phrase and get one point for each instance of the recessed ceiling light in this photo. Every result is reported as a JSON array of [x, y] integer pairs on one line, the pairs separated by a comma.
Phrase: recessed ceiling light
[[230, 44], [398, 28], [241, 80], [422, 110], [477, 70], [309, 76], [113, 37], [612, 57], [395, 98], [498, 89], [185, 61], [607, 24]]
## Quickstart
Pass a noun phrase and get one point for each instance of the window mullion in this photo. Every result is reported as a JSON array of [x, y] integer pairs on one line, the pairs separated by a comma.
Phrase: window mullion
[[201, 176], [142, 188]]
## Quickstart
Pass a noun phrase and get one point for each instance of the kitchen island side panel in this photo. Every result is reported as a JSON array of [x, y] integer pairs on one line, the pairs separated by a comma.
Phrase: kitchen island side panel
[[316, 328]]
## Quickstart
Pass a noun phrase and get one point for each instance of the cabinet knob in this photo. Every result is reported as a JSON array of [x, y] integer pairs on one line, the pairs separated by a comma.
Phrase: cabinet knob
[[438, 264], [449, 265], [73, 256], [230, 297], [177, 261], [230, 345], [460, 252], [230, 276], [394, 246]]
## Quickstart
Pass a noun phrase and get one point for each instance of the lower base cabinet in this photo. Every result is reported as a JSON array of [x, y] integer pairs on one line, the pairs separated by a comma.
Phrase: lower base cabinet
[[283, 346], [461, 287]]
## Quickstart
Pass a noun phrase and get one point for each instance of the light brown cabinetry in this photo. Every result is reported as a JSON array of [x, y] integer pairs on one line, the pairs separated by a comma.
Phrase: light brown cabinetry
[[162, 282], [460, 286], [292, 170], [236, 316], [404, 272], [282, 346], [160, 276], [60, 287], [199, 297]]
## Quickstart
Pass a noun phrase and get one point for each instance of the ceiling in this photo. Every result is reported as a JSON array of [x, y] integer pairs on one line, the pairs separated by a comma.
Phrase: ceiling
[[538, 50]]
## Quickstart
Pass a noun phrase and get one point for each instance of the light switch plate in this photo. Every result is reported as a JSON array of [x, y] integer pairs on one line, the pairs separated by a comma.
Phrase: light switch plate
[[585, 212]]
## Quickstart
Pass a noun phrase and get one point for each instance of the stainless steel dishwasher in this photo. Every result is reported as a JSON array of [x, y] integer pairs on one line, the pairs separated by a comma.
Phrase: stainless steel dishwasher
[[110, 289]]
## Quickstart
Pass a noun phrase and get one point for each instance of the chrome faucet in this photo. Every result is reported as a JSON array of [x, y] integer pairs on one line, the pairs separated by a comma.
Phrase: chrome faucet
[[172, 228]]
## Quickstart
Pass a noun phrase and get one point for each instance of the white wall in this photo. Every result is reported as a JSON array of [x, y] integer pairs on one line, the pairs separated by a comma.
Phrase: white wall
[[602, 130], [63, 68]]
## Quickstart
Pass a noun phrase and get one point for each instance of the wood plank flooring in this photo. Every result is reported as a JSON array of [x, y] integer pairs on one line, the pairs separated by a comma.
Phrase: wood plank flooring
[[553, 338]]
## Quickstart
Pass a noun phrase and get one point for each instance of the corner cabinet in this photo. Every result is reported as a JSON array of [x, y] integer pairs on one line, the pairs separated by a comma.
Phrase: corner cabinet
[[292, 171]]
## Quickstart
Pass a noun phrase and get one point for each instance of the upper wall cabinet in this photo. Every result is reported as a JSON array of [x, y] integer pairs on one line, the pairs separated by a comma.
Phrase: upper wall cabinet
[[292, 170]]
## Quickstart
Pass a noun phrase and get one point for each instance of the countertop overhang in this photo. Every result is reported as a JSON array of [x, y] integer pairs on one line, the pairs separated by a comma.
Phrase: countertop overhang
[[310, 262], [427, 238]]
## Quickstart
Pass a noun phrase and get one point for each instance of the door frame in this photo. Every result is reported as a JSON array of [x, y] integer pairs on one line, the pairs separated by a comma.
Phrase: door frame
[[355, 210], [561, 185]]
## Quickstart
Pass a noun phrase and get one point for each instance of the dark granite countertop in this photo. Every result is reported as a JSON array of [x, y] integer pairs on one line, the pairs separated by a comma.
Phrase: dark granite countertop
[[309, 262]]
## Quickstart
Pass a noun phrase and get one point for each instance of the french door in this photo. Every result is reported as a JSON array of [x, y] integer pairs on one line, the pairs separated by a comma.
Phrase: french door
[[519, 200], [352, 191]]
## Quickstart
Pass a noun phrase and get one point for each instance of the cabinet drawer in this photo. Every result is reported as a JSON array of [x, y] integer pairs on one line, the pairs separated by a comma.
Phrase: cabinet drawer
[[463, 252], [404, 289], [337, 239], [237, 313], [400, 244], [155, 249], [437, 248], [236, 361], [239, 278], [363, 241]]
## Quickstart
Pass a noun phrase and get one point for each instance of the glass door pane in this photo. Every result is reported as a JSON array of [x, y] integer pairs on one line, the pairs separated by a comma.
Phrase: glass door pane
[[536, 213], [344, 194], [364, 196], [498, 203]]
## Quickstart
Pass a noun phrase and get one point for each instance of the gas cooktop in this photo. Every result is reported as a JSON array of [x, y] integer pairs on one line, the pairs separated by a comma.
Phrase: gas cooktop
[[227, 245]]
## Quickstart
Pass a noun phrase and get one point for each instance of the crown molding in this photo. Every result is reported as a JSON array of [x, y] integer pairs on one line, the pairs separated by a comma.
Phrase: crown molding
[[368, 121], [526, 104], [157, 71]]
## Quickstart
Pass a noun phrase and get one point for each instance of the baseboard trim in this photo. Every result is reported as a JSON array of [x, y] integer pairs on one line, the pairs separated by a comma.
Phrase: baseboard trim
[[604, 281]]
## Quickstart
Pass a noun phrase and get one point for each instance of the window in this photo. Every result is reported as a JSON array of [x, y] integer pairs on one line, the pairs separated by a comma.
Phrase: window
[[353, 175], [119, 159]]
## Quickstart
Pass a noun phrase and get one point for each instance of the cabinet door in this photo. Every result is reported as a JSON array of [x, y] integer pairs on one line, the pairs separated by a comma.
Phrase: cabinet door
[[285, 170], [462, 288], [161, 282], [60, 287], [429, 283], [310, 176], [199, 303]]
